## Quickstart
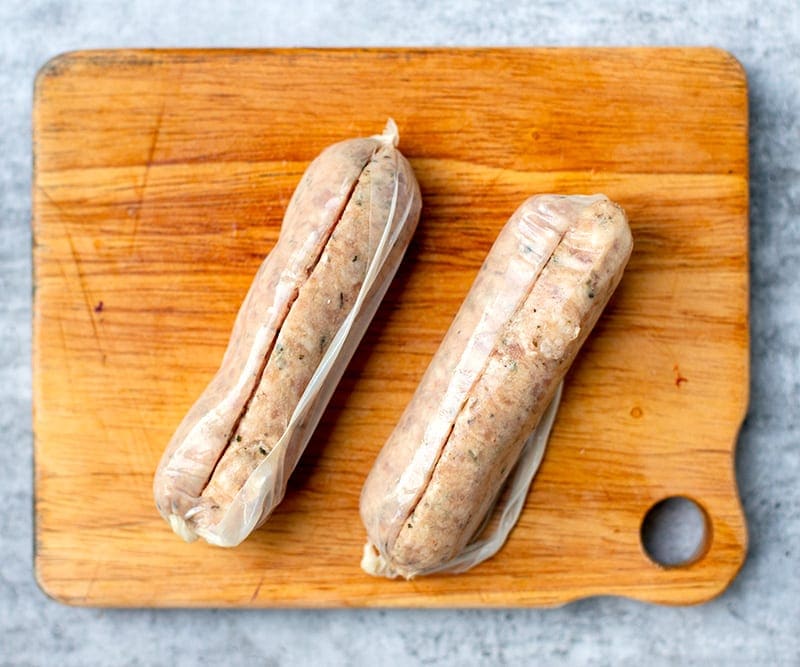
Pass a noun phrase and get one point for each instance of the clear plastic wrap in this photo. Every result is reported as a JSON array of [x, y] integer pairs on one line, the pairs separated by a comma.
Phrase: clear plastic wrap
[[321, 201], [501, 519], [476, 428]]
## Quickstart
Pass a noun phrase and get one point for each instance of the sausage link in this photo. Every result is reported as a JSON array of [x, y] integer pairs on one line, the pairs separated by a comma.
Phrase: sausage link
[[542, 288], [302, 295]]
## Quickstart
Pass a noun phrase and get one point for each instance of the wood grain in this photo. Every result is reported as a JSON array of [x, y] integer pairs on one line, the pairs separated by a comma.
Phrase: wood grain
[[160, 181]]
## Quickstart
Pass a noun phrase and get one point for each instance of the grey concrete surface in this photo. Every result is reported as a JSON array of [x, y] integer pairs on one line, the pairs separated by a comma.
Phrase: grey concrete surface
[[755, 622]]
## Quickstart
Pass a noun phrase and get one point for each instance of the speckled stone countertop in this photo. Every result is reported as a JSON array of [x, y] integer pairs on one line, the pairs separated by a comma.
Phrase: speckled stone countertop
[[755, 622]]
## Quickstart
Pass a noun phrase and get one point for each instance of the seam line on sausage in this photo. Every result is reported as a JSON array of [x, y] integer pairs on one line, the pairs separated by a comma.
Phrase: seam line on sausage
[[268, 355], [384, 248], [478, 376]]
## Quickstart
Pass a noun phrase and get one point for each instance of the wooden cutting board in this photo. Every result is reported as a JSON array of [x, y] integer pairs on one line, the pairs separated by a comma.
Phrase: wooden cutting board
[[160, 181]]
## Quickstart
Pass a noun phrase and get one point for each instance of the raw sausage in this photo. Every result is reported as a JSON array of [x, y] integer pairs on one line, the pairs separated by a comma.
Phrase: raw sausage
[[540, 291], [343, 235]]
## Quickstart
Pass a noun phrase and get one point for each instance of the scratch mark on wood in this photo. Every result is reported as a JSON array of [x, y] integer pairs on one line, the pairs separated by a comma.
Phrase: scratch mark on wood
[[92, 581], [87, 299], [151, 151], [257, 590]]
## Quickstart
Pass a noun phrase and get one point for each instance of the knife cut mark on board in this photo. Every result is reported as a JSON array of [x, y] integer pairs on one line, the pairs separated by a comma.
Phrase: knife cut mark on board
[[87, 298], [141, 189]]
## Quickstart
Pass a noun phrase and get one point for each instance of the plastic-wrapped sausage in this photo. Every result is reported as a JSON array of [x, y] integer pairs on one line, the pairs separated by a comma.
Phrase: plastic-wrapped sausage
[[343, 236], [540, 291]]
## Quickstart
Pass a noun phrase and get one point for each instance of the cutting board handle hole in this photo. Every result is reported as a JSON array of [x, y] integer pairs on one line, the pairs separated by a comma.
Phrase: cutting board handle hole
[[675, 532]]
